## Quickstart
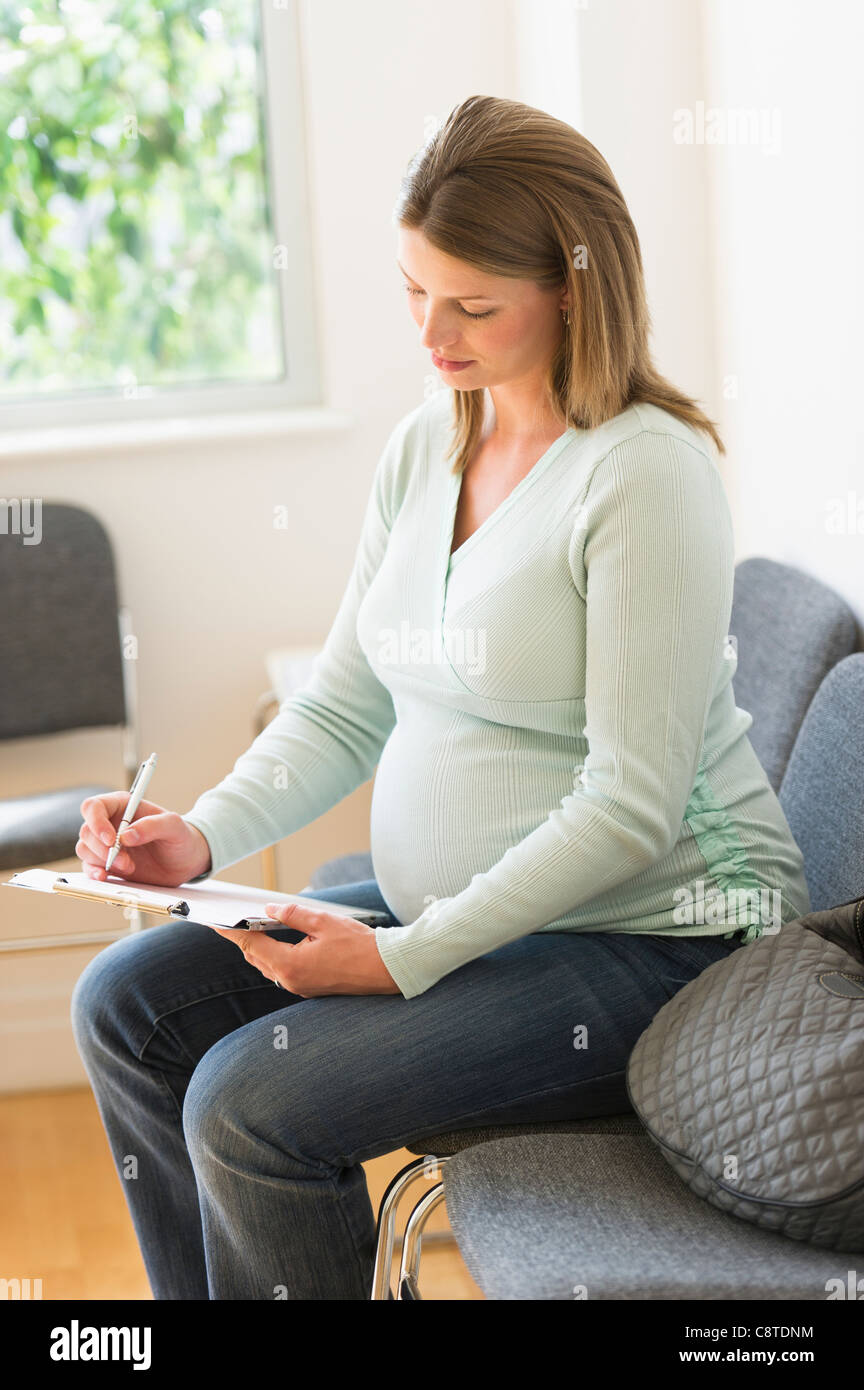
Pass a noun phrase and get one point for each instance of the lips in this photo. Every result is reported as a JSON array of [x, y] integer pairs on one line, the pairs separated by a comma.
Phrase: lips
[[450, 362]]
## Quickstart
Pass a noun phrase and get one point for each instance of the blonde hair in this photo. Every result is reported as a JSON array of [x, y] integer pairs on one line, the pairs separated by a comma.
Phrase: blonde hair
[[513, 191]]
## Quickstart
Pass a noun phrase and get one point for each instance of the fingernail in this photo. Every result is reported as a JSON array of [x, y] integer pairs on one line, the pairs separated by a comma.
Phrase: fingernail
[[107, 837], [129, 837]]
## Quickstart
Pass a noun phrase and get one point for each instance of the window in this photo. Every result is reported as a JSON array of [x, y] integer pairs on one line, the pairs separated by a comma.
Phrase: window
[[150, 262]]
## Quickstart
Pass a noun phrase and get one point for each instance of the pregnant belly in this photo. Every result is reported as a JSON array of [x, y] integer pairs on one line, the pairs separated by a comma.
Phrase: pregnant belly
[[449, 802]]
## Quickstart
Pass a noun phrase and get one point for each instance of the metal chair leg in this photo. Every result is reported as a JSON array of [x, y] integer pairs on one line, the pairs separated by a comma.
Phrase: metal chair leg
[[265, 709], [268, 869], [134, 918], [409, 1272], [386, 1224], [387, 1219]]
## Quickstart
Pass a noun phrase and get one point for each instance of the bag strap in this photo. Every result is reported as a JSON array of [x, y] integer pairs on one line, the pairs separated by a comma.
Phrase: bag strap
[[843, 925]]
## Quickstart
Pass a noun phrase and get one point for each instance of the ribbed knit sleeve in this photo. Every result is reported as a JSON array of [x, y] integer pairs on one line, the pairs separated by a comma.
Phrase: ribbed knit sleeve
[[326, 738], [651, 555]]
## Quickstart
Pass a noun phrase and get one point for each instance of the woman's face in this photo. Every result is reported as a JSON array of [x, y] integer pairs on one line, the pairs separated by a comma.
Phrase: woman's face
[[481, 329]]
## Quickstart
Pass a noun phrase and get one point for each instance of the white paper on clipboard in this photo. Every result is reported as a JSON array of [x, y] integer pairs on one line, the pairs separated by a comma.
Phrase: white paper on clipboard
[[216, 904]]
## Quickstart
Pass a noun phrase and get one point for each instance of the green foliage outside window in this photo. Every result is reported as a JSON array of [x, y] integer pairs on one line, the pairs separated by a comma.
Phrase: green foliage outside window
[[136, 240]]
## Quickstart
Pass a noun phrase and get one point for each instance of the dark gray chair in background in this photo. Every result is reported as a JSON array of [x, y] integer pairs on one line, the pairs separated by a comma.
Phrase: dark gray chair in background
[[61, 669], [604, 1216], [790, 630]]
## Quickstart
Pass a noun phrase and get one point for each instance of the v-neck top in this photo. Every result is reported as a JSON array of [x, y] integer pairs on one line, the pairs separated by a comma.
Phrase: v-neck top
[[513, 496], [550, 708]]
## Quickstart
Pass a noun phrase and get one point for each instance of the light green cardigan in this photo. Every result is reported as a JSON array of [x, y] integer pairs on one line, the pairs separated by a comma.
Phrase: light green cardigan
[[550, 709]]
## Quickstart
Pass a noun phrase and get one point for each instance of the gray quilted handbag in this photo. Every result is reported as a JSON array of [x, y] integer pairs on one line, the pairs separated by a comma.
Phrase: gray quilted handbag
[[751, 1080]]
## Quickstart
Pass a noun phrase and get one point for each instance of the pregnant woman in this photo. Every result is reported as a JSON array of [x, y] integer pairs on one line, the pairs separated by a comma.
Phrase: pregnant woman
[[533, 650]]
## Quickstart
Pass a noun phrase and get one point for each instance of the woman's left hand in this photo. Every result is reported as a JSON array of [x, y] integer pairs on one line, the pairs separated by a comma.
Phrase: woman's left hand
[[337, 955]]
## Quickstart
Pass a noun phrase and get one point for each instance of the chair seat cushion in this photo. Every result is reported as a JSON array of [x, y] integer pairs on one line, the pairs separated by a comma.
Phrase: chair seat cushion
[[567, 1216], [347, 868], [449, 1142], [42, 828]]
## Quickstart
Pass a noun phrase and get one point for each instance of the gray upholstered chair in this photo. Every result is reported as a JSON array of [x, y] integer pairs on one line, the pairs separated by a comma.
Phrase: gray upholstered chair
[[821, 793], [567, 1215], [346, 868], [790, 630], [62, 668]]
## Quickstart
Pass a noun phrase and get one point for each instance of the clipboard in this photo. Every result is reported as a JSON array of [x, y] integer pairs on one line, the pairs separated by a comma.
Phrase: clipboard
[[216, 904]]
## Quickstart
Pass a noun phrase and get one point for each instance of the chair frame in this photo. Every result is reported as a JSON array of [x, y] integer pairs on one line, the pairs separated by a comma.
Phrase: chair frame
[[407, 1288], [409, 1272], [266, 708], [131, 750]]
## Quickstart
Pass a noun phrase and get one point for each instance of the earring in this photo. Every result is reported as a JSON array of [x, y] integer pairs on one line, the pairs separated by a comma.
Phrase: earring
[[565, 314]]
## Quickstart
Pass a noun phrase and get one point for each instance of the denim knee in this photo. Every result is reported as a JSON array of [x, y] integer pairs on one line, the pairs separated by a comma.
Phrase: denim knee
[[213, 1111], [100, 994], [235, 1108]]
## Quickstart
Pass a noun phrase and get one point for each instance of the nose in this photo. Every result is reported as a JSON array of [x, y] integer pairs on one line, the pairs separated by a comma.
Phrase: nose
[[439, 331]]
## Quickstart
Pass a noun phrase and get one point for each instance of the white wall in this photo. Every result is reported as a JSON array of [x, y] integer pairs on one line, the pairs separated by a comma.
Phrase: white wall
[[636, 63], [787, 277]]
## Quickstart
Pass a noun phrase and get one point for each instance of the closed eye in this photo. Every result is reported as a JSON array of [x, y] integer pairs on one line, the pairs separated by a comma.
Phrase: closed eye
[[485, 315]]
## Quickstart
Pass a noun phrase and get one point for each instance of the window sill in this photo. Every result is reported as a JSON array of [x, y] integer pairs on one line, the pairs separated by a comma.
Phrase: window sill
[[107, 435]]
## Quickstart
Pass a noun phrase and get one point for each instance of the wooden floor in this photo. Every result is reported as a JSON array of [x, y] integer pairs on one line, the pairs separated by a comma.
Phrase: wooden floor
[[64, 1220]]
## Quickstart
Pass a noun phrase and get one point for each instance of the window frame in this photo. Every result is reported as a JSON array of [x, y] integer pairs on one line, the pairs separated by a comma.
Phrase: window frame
[[282, 94]]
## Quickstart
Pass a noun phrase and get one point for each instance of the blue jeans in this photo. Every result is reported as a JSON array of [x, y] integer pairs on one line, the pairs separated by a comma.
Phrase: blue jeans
[[239, 1115]]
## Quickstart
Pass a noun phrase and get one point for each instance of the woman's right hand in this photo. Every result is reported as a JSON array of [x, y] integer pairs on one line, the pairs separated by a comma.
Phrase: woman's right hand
[[162, 847]]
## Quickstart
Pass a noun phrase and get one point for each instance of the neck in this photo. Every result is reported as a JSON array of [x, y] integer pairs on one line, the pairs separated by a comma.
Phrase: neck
[[522, 413]]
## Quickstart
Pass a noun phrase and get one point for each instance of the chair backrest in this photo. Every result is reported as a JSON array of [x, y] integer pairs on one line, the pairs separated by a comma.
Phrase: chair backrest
[[822, 794], [61, 666], [790, 630]]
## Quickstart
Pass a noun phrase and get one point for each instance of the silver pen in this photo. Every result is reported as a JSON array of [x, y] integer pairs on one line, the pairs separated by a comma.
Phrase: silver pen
[[136, 794]]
